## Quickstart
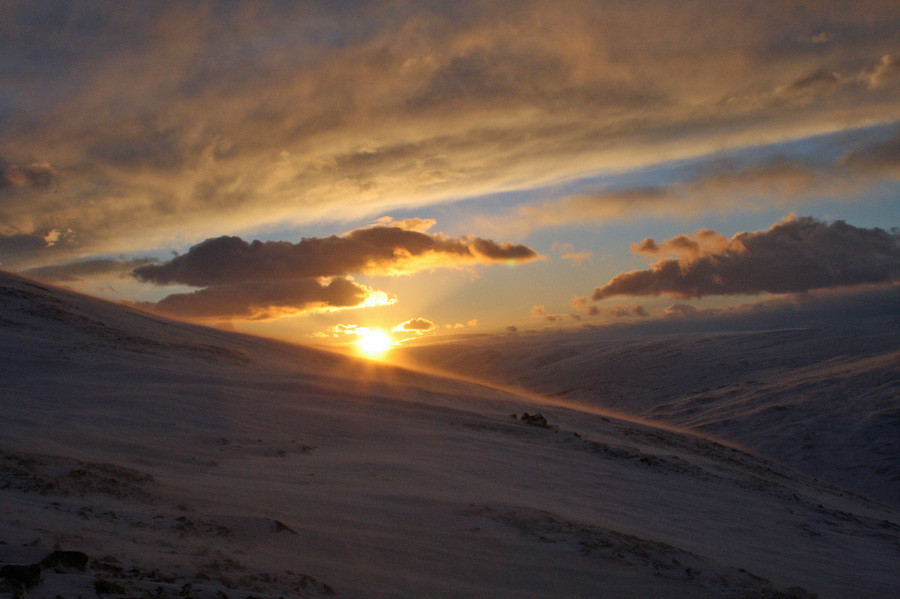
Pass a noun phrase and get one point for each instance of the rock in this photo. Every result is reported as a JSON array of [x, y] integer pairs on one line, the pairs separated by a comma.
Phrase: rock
[[66, 559], [28, 576], [282, 527], [535, 420]]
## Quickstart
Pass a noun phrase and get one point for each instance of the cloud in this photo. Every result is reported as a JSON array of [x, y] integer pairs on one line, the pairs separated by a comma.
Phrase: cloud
[[722, 188], [680, 311], [20, 243], [74, 271], [887, 71], [704, 241], [725, 187], [420, 225], [568, 252], [18, 248], [817, 82], [266, 300], [38, 175], [241, 116], [795, 254], [582, 304], [374, 250], [415, 325], [541, 312], [261, 280], [342, 330], [823, 307], [879, 159]]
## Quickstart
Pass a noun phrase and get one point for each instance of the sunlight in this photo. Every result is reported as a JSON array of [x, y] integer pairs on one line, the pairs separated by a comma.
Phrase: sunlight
[[374, 342]]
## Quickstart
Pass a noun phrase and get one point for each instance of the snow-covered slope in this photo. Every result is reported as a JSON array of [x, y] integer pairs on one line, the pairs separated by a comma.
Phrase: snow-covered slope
[[183, 461], [824, 400]]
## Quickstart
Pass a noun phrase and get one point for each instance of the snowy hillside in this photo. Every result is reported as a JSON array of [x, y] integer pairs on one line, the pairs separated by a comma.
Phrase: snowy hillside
[[160, 459], [824, 400]]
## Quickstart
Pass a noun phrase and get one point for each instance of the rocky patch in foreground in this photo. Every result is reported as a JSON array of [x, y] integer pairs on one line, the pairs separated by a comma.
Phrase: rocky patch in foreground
[[74, 574]]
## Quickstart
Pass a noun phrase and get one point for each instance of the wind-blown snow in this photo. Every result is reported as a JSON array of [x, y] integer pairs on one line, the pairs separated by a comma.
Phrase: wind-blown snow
[[825, 401], [185, 461]]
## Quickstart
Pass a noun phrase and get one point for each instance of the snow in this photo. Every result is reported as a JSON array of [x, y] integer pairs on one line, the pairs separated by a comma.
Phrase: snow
[[823, 400], [187, 461]]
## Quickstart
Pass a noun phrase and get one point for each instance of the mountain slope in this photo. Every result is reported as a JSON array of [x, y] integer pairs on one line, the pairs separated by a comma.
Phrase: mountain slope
[[824, 400], [186, 461]]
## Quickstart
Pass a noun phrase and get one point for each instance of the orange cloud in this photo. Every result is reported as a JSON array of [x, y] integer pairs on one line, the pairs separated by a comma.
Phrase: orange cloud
[[415, 325], [884, 73], [541, 312]]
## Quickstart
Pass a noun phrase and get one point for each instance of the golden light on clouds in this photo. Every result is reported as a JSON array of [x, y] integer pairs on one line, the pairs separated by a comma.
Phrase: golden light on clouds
[[204, 163], [408, 107]]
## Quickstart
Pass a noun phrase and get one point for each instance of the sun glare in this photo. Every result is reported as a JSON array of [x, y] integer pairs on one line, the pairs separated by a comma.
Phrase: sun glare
[[373, 343]]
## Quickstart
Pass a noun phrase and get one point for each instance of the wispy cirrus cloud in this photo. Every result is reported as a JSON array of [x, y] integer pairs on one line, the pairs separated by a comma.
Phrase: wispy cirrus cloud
[[723, 187]]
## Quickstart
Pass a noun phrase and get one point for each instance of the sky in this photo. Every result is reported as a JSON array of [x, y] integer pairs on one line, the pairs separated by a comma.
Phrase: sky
[[314, 170]]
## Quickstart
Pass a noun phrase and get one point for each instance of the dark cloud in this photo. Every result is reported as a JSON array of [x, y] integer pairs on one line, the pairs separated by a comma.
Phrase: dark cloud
[[582, 304], [262, 300], [682, 244], [38, 175], [261, 279], [815, 307], [74, 271], [503, 252], [882, 158], [19, 243], [417, 325], [628, 311], [879, 304], [18, 249], [816, 82], [392, 250], [796, 254], [146, 149]]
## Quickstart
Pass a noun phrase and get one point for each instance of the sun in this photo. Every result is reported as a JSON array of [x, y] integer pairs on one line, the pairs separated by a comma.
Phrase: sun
[[373, 342]]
